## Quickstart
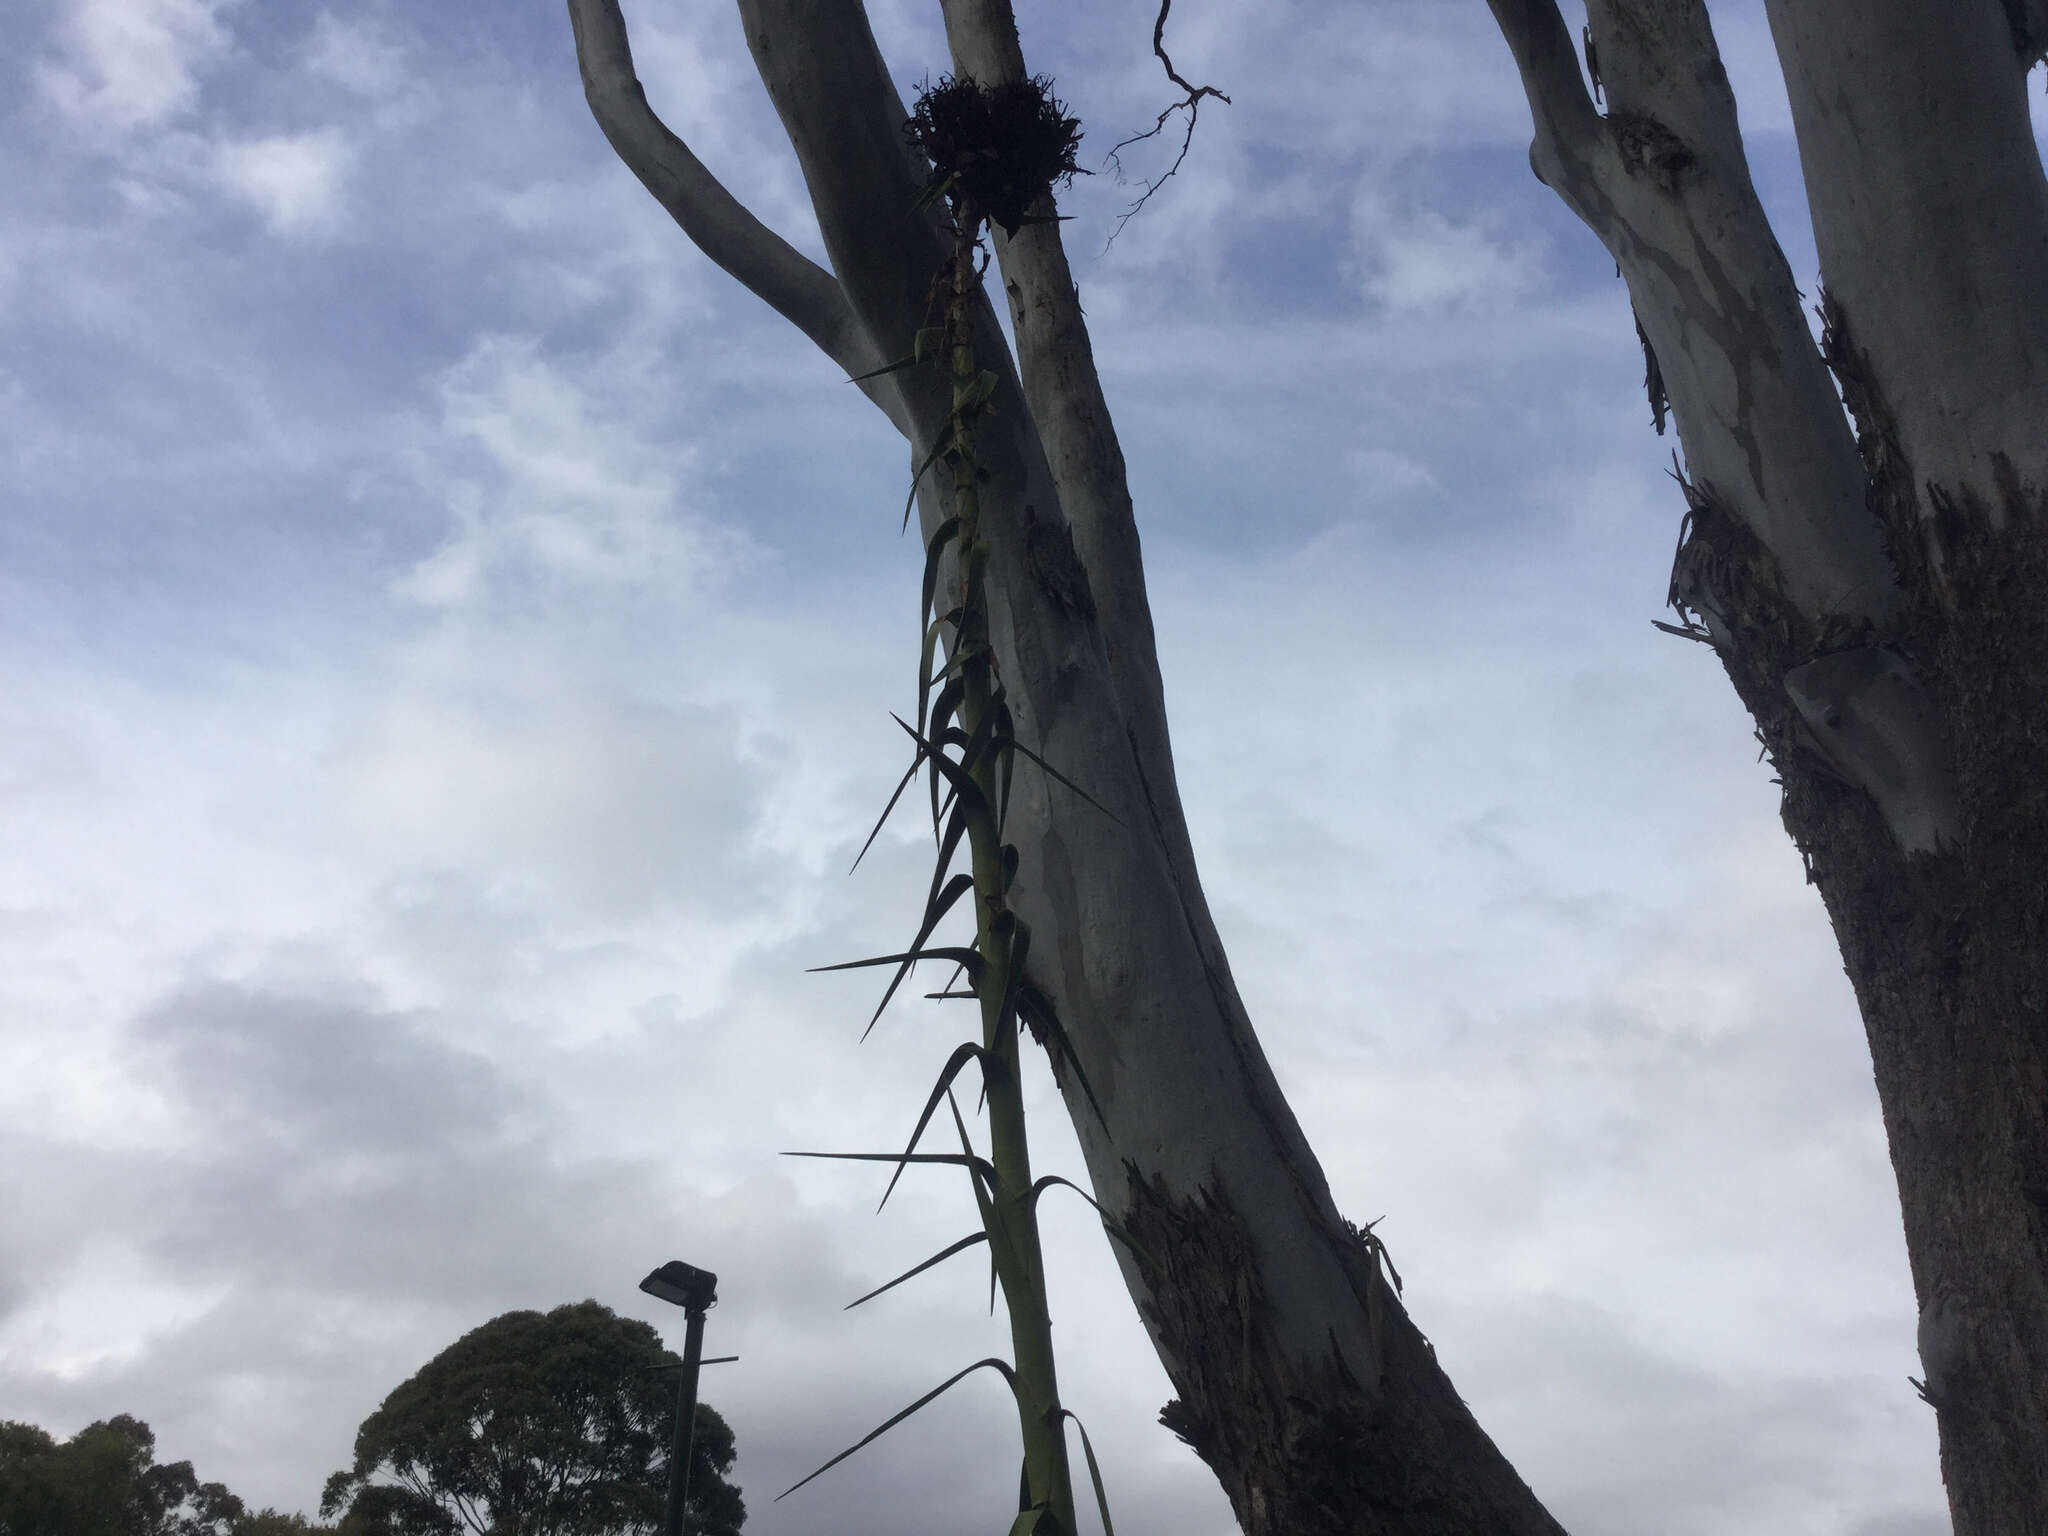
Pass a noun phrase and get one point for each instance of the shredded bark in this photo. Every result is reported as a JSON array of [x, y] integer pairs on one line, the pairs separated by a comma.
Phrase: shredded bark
[[1912, 532], [1943, 949], [1653, 377], [1311, 1451]]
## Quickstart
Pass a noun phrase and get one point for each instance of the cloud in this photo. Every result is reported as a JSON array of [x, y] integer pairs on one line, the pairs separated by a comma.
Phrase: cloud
[[449, 672], [1423, 262], [356, 54], [125, 65], [295, 181], [560, 491]]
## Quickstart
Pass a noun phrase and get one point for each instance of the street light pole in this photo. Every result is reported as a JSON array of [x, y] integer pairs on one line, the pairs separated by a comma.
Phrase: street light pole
[[684, 1450], [696, 1292]]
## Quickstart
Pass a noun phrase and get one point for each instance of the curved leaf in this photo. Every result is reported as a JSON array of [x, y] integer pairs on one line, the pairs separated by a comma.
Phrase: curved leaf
[[1094, 1471], [969, 1051], [937, 905], [938, 1258], [945, 441], [902, 784], [1110, 1224], [984, 1203], [890, 1423]]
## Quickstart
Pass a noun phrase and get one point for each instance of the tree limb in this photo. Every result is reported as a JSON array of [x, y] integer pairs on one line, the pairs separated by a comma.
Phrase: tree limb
[[1662, 180], [1566, 122], [1056, 361], [793, 285]]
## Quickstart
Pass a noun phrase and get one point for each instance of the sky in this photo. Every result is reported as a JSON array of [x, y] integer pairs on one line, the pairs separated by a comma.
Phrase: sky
[[447, 638]]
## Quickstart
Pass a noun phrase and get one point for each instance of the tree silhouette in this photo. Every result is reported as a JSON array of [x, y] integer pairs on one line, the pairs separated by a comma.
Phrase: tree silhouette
[[539, 1424]]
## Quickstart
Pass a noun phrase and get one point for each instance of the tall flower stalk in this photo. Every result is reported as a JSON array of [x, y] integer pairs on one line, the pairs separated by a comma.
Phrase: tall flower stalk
[[996, 153]]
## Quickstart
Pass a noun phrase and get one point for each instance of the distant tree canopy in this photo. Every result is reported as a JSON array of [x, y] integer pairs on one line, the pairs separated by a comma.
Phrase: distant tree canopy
[[105, 1481], [554, 1424]]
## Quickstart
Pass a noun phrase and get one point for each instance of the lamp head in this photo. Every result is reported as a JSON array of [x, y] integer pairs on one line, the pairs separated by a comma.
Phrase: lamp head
[[684, 1285]]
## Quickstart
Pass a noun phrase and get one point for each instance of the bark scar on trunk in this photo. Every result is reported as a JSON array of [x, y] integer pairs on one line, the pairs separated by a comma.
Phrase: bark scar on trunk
[[1309, 1438], [1649, 148], [1049, 551], [1303, 1448]]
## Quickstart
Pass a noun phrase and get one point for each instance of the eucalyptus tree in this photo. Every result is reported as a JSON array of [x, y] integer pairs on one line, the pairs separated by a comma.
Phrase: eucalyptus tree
[[1874, 582], [556, 1423], [1875, 592]]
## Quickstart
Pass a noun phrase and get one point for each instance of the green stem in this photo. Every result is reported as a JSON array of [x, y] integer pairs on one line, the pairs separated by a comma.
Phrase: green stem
[[1013, 1235]]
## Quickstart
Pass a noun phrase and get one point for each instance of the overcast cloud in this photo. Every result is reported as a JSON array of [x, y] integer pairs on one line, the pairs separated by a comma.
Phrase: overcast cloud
[[447, 633]]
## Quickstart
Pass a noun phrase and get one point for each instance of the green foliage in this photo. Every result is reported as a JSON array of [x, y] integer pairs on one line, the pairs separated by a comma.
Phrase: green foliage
[[104, 1481], [274, 1522], [535, 1424]]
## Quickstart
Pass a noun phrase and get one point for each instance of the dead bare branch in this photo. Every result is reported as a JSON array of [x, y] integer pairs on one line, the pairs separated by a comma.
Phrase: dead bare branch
[[1190, 104]]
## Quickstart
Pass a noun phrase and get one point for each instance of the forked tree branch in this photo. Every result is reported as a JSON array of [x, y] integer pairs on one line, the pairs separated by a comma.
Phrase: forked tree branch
[[1191, 103], [1566, 122], [1662, 180], [793, 285]]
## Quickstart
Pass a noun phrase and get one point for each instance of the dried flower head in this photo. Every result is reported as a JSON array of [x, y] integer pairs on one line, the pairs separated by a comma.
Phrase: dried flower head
[[995, 150]]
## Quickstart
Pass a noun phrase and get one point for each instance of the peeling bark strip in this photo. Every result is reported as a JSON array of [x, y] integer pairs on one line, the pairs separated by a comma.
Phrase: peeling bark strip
[[1882, 611], [1653, 380]]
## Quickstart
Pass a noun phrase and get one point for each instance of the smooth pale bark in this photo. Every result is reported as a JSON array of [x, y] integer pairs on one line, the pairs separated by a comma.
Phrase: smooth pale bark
[[1301, 1380], [1880, 601], [1930, 209]]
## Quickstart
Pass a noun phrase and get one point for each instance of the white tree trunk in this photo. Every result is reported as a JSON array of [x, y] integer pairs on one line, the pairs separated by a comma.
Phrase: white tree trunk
[[1301, 1380], [1880, 601]]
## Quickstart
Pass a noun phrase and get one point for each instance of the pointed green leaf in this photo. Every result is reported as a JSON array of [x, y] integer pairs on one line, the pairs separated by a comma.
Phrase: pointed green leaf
[[970, 1051], [938, 1258], [964, 957], [1003, 1366], [942, 710], [980, 1167], [945, 441], [896, 367], [934, 547], [1020, 947], [1006, 764], [973, 745], [1055, 773], [1094, 1471], [1036, 1008], [962, 782], [934, 189], [902, 784], [1110, 1224], [937, 905], [983, 1202]]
